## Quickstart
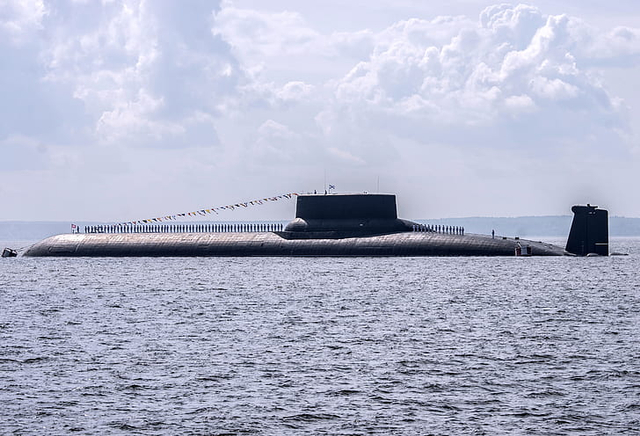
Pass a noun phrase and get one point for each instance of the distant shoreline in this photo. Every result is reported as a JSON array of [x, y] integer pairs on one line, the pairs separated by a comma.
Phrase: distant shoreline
[[526, 226]]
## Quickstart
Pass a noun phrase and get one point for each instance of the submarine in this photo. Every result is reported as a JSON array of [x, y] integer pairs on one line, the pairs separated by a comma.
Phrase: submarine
[[330, 225]]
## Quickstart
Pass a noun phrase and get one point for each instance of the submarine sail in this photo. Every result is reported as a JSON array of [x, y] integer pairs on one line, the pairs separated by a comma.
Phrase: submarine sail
[[589, 232]]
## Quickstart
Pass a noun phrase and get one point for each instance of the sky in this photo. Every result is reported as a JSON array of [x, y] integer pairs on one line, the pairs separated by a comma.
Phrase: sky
[[122, 110]]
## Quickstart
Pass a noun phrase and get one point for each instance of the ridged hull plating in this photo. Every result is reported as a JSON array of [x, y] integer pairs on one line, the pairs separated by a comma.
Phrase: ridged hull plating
[[279, 244]]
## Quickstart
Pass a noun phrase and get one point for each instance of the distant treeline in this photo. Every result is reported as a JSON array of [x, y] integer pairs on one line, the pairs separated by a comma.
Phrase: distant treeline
[[526, 226], [534, 225]]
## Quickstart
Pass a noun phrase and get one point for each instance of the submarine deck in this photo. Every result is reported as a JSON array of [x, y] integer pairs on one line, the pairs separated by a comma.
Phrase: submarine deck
[[269, 244]]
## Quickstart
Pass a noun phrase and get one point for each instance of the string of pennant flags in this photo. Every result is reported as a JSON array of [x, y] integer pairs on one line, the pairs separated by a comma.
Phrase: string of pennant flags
[[209, 211]]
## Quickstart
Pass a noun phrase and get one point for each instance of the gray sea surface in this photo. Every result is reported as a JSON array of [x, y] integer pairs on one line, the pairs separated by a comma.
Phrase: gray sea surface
[[327, 346]]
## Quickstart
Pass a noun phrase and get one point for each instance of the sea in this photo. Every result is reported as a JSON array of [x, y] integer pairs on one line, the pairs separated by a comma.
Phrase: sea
[[321, 346]]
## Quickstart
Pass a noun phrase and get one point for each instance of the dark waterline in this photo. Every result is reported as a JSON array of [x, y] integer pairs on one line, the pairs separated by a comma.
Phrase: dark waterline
[[321, 346]]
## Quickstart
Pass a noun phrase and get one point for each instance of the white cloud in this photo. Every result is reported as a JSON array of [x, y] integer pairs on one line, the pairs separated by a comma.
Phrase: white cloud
[[175, 99], [345, 156], [514, 62], [142, 75], [553, 89], [256, 34], [274, 46], [273, 129], [294, 91], [518, 103], [20, 18], [515, 79]]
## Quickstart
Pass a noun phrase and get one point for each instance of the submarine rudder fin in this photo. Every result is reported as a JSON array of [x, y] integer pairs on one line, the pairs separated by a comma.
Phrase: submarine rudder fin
[[589, 232]]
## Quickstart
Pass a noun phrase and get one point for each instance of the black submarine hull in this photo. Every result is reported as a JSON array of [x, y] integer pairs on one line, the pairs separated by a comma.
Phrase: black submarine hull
[[270, 244], [329, 225]]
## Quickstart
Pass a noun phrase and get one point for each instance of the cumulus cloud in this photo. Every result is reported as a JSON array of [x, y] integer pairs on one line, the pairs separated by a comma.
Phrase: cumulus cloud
[[144, 71], [513, 81], [294, 91], [513, 59], [254, 33], [274, 46], [177, 97], [449, 79], [276, 142], [20, 19]]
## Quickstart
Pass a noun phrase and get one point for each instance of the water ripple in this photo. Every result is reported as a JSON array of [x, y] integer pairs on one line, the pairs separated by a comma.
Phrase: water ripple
[[321, 346]]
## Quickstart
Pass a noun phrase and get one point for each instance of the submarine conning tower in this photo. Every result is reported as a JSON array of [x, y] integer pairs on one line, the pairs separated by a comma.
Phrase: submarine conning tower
[[345, 215], [589, 232]]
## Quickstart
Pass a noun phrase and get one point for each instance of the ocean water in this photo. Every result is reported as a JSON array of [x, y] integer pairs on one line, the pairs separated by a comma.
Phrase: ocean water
[[327, 346]]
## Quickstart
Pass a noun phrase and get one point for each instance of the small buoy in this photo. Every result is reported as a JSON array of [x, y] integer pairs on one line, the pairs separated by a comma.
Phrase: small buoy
[[9, 252]]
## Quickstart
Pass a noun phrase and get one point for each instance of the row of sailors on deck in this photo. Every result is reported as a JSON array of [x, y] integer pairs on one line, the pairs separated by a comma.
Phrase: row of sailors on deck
[[224, 228], [185, 228], [452, 230]]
